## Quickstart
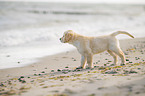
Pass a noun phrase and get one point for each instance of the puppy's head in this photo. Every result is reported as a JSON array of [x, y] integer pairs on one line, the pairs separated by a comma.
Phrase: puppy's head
[[67, 36]]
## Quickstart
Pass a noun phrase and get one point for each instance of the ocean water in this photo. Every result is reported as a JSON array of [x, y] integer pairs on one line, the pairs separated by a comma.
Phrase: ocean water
[[31, 30]]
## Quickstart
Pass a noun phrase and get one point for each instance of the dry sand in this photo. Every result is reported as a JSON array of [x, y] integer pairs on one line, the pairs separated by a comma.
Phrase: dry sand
[[56, 75]]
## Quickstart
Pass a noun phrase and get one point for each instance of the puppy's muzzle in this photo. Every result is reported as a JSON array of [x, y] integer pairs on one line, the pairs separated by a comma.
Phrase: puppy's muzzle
[[61, 40]]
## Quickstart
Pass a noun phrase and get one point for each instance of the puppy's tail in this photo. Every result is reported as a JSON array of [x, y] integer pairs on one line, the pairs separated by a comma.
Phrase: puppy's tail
[[121, 32]]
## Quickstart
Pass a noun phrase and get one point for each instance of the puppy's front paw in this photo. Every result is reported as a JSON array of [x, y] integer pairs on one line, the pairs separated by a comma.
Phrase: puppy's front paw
[[79, 67]]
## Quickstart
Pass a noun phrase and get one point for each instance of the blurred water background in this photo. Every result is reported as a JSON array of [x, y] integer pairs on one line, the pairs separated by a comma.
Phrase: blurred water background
[[31, 30]]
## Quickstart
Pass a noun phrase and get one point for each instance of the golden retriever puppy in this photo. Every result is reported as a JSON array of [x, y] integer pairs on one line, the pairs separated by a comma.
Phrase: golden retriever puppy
[[88, 46]]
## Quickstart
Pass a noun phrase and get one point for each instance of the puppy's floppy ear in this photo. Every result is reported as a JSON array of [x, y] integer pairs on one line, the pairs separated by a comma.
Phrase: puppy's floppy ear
[[68, 36]]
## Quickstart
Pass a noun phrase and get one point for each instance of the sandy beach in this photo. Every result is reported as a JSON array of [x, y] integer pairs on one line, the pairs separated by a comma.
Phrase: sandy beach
[[56, 75]]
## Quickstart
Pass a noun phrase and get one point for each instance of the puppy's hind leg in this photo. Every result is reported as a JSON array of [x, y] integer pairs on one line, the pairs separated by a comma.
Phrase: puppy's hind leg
[[120, 53], [114, 56]]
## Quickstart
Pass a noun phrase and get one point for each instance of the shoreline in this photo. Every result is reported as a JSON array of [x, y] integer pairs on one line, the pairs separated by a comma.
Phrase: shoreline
[[65, 55], [59, 68]]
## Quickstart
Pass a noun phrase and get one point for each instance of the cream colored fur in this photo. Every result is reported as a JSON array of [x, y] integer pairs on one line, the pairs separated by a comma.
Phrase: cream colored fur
[[88, 46]]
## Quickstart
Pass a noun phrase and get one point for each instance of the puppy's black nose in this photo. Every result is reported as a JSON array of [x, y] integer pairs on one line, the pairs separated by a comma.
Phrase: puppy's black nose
[[60, 39]]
